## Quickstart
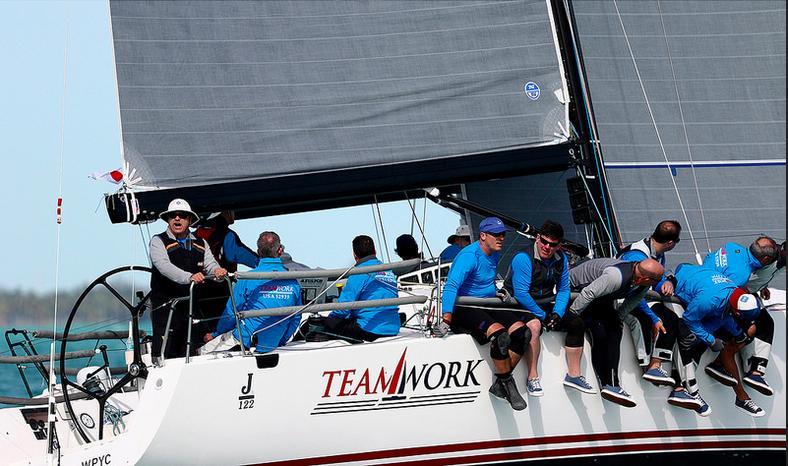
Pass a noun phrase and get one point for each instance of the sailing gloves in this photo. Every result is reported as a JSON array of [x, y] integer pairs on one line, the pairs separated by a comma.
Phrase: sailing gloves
[[440, 329], [551, 321], [505, 297]]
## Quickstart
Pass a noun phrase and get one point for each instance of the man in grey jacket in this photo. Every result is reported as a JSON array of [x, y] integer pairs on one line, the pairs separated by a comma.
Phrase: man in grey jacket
[[600, 283]]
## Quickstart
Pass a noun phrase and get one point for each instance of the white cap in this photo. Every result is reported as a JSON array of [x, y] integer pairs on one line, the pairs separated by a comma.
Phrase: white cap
[[179, 205]]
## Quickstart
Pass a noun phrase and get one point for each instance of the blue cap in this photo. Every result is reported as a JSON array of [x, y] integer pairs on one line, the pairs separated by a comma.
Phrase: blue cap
[[492, 225]]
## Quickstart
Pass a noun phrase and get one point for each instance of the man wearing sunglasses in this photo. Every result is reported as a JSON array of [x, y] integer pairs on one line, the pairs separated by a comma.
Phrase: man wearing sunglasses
[[179, 259], [536, 271], [473, 273], [743, 265], [653, 329], [601, 282]]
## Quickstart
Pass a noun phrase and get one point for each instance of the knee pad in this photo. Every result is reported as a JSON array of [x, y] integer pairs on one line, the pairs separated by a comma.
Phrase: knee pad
[[499, 345], [519, 338]]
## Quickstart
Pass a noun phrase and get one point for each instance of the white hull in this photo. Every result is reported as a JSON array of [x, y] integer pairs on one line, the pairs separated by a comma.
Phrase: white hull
[[311, 409]]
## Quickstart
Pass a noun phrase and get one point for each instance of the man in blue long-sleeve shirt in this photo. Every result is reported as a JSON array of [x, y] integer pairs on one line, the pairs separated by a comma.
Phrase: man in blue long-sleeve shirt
[[541, 271], [658, 322], [265, 333], [367, 324], [740, 264], [473, 273], [711, 302]]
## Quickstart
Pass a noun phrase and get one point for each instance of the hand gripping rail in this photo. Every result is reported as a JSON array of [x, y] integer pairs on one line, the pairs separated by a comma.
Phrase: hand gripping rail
[[327, 273]]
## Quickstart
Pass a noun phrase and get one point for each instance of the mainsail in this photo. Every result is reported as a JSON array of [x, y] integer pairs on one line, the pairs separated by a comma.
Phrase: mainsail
[[281, 102], [711, 76]]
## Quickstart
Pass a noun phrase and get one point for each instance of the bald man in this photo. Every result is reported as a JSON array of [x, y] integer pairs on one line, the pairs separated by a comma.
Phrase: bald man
[[600, 283]]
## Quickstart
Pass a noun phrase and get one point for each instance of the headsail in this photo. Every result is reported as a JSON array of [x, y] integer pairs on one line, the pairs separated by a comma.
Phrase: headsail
[[714, 79], [285, 102]]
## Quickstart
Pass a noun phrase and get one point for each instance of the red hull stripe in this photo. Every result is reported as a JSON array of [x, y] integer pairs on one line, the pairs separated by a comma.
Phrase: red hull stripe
[[561, 452]]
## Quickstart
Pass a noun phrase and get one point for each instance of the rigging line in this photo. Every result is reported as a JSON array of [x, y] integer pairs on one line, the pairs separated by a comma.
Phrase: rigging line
[[382, 228], [52, 380], [375, 219], [656, 130], [684, 126], [412, 222], [424, 241], [424, 224], [144, 243]]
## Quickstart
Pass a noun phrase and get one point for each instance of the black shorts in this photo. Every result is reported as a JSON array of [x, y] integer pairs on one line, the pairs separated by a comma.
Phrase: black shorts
[[476, 320]]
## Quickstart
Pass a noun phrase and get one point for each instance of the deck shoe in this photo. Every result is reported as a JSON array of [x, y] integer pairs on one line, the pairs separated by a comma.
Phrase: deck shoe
[[758, 382], [534, 387], [682, 399], [579, 383], [718, 373], [506, 389], [617, 395], [704, 410], [749, 407], [658, 377]]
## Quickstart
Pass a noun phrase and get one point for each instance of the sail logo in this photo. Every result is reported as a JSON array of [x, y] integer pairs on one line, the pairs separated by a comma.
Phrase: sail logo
[[532, 90], [404, 386]]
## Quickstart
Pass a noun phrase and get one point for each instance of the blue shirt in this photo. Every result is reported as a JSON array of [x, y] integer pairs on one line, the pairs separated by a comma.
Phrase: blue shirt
[[382, 321], [451, 251], [705, 293], [263, 294], [471, 274], [734, 261], [233, 250], [522, 267]]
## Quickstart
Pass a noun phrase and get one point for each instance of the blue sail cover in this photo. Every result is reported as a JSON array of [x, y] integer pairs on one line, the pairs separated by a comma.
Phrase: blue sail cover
[[218, 92], [714, 78]]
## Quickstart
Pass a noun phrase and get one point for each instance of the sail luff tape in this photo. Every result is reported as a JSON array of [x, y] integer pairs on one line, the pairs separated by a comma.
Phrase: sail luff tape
[[328, 273], [284, 311]]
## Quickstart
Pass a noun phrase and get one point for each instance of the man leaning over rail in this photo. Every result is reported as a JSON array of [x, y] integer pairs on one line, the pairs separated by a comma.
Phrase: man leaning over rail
[[473, 273], [601, 282], [653, 329], [356, 326], [264, 333], [179, 259], [541, 271], [711, 301], [740, 264]]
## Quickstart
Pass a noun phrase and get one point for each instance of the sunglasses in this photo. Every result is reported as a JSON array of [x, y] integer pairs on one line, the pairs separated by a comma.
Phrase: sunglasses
[[179, 213], [497, 235], [552, 244]]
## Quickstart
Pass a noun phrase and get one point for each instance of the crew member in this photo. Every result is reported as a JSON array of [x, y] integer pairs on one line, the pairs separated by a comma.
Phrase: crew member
[[457, 241], [229, 251], [366, 324], [179, 259], [740, 264], [472, 273], [711, 302], [535, 272], [658, 322], [407, 249], [264, 333], [601, 282]]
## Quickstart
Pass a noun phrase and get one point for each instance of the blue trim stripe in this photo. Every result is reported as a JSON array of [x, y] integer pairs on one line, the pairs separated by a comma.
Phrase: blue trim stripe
[[674, 165]]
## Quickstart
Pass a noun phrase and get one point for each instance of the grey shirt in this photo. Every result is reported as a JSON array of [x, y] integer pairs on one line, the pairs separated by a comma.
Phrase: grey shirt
[[161, 260], [597, 278]]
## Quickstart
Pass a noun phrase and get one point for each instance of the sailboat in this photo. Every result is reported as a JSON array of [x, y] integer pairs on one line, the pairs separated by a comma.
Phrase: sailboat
[[605, 115]]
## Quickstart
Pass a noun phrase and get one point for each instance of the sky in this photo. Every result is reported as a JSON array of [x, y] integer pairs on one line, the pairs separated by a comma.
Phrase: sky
[[54, 129]]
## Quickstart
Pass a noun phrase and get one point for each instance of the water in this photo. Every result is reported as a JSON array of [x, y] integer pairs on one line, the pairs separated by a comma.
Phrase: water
[[10, 381]]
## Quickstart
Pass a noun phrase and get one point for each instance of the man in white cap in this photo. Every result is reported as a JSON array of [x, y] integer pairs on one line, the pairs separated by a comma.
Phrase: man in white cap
[[457, 241], [712, 306], [179, 259]]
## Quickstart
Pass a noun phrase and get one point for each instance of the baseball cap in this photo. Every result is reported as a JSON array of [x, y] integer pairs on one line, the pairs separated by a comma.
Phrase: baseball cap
[[745, 304], [492, 225], [462, 230]]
